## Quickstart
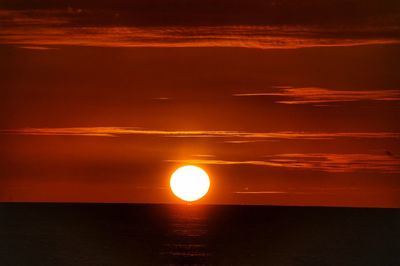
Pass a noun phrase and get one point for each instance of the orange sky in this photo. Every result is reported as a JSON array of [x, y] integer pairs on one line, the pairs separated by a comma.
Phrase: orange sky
[[283, 103]]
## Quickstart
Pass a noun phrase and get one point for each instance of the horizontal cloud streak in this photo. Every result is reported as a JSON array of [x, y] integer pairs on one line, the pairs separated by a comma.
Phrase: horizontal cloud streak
[[261, 192], [314, 95], [231, 136], [315, 191], [258, 37], [69, 27], [326, 162]]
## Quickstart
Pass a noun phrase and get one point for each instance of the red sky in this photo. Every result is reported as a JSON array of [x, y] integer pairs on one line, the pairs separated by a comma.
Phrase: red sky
[[282, 103]]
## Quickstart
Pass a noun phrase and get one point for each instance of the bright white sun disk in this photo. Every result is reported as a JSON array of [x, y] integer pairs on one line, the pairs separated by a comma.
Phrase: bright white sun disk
[[190, 183]]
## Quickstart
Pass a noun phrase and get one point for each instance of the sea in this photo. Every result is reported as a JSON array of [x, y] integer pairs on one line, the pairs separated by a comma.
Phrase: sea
[[75, 234]]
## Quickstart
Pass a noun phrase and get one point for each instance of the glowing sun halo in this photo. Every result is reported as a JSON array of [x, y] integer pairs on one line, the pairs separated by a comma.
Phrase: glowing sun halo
[[190, 183]]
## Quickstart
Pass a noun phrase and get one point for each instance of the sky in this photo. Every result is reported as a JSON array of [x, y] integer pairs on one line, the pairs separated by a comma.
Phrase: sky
[[281, 102]]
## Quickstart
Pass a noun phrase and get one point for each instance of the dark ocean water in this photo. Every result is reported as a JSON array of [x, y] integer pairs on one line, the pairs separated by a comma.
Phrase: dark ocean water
[[125, 234]]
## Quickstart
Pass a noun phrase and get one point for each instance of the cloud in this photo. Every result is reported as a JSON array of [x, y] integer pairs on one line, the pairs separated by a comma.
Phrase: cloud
[[340, 162], [77, 27], [259, 37], [261, 192], [228, 136], [315, 95], [314, 191], [38, 48], [326, 162], [204, 155], [162, 99]]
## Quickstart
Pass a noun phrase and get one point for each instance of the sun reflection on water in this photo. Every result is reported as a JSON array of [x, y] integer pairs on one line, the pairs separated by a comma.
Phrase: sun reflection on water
[[188, 231]]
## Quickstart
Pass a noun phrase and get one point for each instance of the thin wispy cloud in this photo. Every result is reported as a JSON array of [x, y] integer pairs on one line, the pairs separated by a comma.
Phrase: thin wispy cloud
[[229, 136], [261, 192], [326, 162], [77, 27], [38, 48], [259, 37], [315, 95], [311, 191], [331, 162]]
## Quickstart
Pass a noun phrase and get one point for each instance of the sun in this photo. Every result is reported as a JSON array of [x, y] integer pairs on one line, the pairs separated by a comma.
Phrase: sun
[[190, 183]]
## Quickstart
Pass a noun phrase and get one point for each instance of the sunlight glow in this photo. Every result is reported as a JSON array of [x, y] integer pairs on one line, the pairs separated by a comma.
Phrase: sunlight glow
[[190, 183]]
